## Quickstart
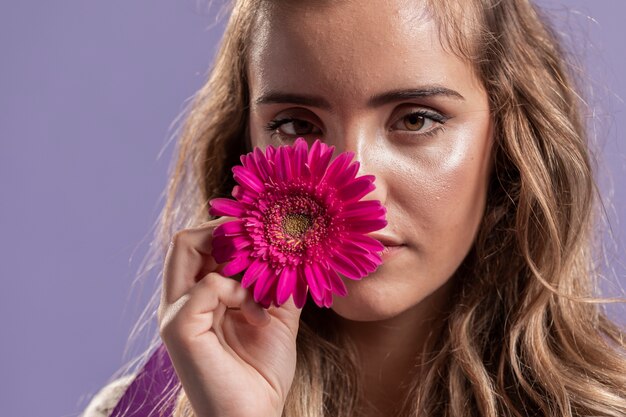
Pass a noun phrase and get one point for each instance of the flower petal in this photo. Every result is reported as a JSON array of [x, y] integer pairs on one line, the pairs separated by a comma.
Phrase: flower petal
[[277, 162], [263, 286], [226, 247], [300, 158], [357, 189], [350, 248], [364, 209], [337, 166], [262, 165], [321, 273], [318, 301], [244, 195], [366, 242], [241, 262], [270, 296], [314, 280], [286, 284], [348, 174], [244, 161], [317, 298], [258, 269], [246, 178], [338, 286], [360, 266], [226, 207], [299, 295], [365, 263], [374, 262], [223, 254], [250, 164], [375, 257], [328, 298], [237, 242], [345, 266], [270, 153], [314, 153], [232, 228], [286, 171], [319, 157], [366, 226]]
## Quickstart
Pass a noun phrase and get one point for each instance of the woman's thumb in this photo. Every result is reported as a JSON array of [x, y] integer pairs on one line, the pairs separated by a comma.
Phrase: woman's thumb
[[288, 313]]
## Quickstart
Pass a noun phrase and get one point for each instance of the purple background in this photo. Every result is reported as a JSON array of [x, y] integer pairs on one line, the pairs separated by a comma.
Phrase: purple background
[[89, 93]]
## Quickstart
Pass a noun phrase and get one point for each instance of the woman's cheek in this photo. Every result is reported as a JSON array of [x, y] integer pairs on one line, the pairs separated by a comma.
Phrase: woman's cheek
[[448, 194]]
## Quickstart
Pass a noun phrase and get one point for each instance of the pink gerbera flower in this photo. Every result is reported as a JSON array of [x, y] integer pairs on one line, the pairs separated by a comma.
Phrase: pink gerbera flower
[[300, 222]]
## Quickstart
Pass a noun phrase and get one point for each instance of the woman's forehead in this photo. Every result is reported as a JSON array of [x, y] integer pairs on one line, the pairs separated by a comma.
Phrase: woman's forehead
[[347, 49], [343, 31], [382, 21]]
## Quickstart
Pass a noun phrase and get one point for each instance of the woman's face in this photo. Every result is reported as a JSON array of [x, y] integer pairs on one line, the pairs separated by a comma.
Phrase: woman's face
[[375, 81]]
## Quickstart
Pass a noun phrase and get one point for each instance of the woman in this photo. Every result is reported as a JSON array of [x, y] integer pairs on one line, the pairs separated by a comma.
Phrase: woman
[[467, 114]]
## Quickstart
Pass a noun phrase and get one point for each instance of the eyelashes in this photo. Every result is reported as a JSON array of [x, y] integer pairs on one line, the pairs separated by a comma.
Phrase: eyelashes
[[422, 117], [276, 123]]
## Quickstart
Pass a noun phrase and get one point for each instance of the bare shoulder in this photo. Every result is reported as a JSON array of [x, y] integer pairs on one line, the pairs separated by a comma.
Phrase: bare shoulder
[[105, 400]]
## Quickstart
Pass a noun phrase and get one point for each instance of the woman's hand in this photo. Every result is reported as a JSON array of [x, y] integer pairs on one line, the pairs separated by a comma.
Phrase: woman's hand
[[233, 357]]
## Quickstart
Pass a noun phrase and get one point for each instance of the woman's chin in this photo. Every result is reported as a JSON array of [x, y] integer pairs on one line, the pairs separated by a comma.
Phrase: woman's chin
[[367, 301]]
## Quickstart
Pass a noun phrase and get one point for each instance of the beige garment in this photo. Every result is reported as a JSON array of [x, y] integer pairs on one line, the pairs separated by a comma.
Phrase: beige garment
[[105, 400]]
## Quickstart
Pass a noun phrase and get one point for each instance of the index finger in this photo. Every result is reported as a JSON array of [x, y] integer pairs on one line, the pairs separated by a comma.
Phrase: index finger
[[189, 255]]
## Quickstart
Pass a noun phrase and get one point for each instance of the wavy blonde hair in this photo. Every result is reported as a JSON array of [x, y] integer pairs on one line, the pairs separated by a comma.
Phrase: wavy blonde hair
[[526, 334]]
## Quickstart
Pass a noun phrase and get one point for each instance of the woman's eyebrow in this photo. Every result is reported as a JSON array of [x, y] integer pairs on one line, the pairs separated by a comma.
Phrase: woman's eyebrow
[[374, 101]]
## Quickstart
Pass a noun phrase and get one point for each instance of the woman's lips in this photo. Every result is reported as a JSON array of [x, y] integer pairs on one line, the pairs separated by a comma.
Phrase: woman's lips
[[391, 251]]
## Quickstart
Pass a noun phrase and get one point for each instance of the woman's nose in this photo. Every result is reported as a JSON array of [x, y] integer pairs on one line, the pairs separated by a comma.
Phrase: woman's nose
[[362, 144]]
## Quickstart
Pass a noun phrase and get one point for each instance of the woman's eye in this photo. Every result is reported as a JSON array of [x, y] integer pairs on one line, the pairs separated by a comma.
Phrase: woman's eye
[[421, 122], [290, 126]]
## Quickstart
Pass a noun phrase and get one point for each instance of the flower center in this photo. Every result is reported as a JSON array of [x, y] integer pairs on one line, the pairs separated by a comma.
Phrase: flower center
[[296, 224]]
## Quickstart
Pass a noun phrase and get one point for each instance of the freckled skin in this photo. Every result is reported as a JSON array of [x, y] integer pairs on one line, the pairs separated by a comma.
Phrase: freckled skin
[[434, 187]]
